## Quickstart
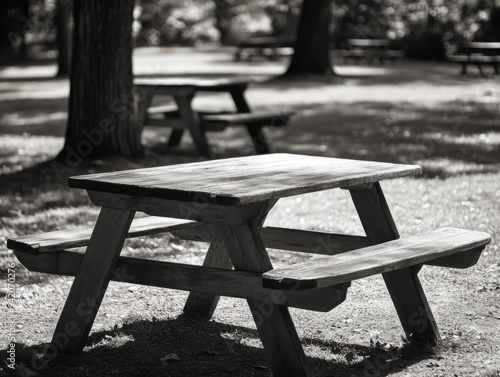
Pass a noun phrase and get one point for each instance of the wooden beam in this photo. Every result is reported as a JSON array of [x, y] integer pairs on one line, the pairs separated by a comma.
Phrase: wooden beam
[[273, 321], [204, 280], [306, 241], [91, 280]]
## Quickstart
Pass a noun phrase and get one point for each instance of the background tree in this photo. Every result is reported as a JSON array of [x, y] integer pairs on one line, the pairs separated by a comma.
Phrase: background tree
[[311, 50], [64, 36], [102, 120]]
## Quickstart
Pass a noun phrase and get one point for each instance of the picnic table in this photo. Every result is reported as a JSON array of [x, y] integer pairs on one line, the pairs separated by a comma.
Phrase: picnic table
[[478, 54], [225, 202], [371, 49], [184, 117]]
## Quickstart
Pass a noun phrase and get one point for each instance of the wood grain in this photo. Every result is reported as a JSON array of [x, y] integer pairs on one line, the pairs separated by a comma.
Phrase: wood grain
[[92, 279], [217, 256], [275, 326], [403, 285], [243, 180], [67, 239], [306, 241], [381, 258], [206, 281], [200, 209]]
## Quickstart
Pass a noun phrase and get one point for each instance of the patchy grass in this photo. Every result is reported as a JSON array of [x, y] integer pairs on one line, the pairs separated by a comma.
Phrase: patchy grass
[[423, 114]]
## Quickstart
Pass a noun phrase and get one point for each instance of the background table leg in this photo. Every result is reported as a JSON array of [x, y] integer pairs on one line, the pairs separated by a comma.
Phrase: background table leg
[[217, 256], [175, 138], [276, 329], [190, 118], [256, 133], [403, 285], [92, 280]]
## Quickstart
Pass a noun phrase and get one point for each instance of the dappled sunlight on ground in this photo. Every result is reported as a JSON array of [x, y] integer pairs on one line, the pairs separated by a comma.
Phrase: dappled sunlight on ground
[[424, 113]]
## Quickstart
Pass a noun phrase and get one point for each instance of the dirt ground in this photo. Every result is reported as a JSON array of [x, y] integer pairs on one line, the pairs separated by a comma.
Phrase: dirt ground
[[417, 112]]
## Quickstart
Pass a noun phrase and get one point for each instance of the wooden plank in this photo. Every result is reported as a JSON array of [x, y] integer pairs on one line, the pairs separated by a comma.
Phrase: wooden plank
[[91, 281], [198, 210], [305, 241], [243, 180], [217, 257], [275, 326], [381, 258], [276, 119], [67, 239], [460, 260], [203, 280], [403, 285]]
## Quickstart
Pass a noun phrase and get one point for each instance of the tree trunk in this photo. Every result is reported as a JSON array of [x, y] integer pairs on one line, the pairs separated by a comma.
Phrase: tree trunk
[[311, 50], [64, 36], [102, 118], [222, 12]]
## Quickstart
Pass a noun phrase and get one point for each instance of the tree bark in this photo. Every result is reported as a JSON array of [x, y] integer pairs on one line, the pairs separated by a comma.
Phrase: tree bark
[[311, 50], [102, 117], [64, 36]]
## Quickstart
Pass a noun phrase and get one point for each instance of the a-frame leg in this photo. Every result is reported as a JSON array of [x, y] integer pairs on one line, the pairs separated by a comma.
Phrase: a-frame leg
[[403, 285], [92, 280], [190, 119], [277, 331], [217, 256]]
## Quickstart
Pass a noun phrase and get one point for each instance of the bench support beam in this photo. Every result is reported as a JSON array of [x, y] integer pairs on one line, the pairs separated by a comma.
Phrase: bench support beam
[[205, 281], [403, 285]]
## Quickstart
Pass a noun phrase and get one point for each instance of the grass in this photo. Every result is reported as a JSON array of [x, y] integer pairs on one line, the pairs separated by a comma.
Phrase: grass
[[420, 113]]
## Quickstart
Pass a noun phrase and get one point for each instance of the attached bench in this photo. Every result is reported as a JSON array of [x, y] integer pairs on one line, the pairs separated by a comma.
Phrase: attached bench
[[215, 122], [254, 122], [48, 253], [479, 54], [447, 247]]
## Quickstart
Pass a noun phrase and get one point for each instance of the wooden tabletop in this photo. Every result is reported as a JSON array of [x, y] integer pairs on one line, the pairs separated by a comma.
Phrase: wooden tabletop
[[243, 180]]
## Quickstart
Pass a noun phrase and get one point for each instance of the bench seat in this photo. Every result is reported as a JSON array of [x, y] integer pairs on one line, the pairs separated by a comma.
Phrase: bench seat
[[258, 119], [68, 239], [444, 247], [47, 253]]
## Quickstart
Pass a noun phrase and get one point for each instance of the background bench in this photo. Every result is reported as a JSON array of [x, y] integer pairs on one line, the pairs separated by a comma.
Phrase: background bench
[[215, 122], [479, 54], [370, 49]]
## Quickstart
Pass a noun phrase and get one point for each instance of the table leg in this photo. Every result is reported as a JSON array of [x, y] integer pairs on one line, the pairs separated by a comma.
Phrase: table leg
[[217, 256], [256, 133], [175, 138], [91, 280], [276, 329], [403, 285], [190, 118]]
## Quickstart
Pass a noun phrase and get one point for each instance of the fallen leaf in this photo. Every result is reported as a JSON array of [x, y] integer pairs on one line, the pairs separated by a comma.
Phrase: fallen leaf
[[170, 357]]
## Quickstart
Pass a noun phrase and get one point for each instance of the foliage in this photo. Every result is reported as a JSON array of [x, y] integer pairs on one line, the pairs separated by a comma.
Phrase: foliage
[[425, 28]]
